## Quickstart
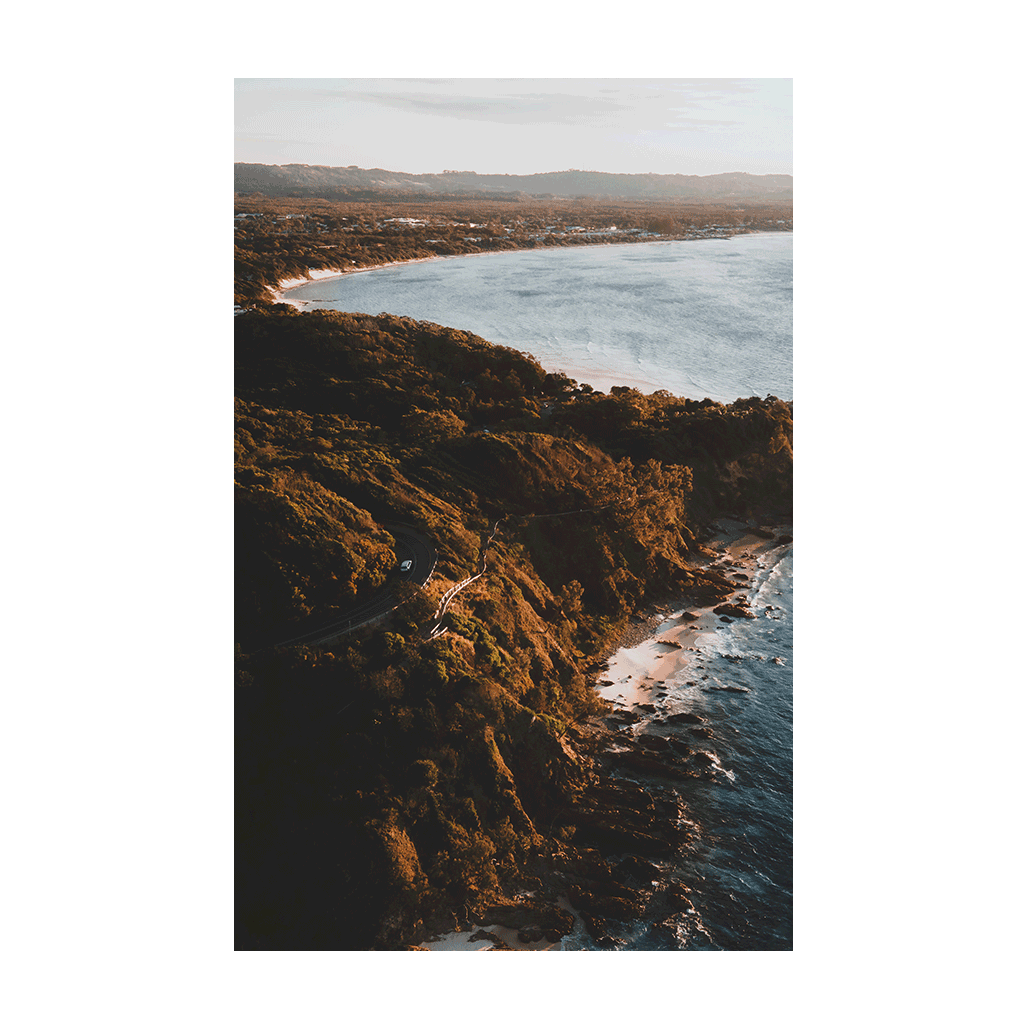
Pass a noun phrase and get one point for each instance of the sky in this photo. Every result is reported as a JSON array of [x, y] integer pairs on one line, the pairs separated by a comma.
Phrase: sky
[[518, 126]]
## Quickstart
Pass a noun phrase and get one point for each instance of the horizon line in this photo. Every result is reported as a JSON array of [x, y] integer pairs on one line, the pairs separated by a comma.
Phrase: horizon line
[[518, 174]]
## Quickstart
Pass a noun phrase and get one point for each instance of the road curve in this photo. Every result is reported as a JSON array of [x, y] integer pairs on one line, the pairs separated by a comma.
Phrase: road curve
[[410, 545]]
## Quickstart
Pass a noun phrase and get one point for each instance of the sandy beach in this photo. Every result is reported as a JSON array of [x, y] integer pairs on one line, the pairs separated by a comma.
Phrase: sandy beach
[[323, 274], [638, 670], [663, 644], [601, 379], [468, 942], [479, 939], [592, 346]]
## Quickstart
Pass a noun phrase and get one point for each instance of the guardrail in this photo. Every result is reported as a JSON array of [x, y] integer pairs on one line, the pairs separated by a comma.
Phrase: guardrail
[[372, 613], [435, 628]]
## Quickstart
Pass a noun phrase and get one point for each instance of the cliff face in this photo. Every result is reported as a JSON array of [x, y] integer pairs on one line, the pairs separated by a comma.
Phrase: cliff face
[[389, 777]]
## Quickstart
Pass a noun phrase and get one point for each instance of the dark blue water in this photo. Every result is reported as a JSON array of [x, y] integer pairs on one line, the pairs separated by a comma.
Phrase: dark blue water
[[741, 871], [700, 318], [738, 866]]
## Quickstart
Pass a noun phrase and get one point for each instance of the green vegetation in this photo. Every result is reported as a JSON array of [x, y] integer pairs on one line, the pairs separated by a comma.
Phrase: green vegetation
[[284, 238], [386, 779]]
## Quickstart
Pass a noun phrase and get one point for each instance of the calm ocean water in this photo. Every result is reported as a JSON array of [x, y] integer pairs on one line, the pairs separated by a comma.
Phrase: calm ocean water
[[698, 318], [705, 317]]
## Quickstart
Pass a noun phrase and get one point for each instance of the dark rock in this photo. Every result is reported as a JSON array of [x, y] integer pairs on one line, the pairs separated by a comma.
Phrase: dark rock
[[585, 863], [679, 898], [639, 869], [626, 717], [646, 763], [530, 935], [681, 748], [601, 820], [647, 708], [598, 928], [783, 539], [527, 915], [734, 610], [623, 908], [656, 743], [665, 928], [686, 718], [620, 795], [615, 839]]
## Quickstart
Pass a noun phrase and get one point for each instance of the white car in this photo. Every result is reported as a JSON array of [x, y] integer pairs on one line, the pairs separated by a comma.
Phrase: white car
[[407, 565]]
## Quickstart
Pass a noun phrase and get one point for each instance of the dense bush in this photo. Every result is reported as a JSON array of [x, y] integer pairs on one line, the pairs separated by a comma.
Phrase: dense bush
[[387, 777]]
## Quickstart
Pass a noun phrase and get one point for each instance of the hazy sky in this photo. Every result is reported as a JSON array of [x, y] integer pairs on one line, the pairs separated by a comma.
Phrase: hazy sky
[[519, 126]]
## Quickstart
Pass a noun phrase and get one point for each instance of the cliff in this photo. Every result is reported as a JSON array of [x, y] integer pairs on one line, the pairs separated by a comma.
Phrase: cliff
[[390, 780]]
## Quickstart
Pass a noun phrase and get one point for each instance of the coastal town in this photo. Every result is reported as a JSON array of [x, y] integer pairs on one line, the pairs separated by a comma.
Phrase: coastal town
[[289, 237]]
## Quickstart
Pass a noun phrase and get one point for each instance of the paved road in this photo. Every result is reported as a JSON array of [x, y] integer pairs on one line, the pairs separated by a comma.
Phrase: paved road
[[410, 545]]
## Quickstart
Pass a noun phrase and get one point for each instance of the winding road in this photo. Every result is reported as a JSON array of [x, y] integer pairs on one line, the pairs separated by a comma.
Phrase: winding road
[[420, 551], [410, 545]]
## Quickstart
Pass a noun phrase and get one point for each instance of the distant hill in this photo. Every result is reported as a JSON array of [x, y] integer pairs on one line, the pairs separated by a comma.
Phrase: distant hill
[[322, 181]]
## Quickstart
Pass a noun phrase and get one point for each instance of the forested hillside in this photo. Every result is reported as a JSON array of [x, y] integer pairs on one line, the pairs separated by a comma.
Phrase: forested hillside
[[336, 182], [385, 780]]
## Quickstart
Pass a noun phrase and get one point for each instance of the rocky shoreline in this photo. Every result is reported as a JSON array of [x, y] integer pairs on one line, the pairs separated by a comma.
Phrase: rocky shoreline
[[614, 860]]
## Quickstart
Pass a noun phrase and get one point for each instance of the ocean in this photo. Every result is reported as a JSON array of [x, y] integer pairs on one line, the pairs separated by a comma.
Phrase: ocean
[[734, 682], [699, 318], [702, 318]]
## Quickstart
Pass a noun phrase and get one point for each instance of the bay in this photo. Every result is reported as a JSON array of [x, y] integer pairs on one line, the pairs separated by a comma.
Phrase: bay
[[698, 318]]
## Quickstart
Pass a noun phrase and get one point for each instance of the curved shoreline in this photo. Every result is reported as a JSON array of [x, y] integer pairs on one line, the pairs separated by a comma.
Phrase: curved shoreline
[[599, 367], [640, 665], [327, 274], [664, 644]]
